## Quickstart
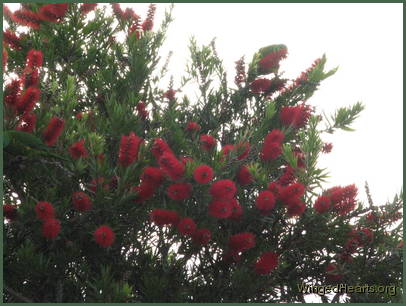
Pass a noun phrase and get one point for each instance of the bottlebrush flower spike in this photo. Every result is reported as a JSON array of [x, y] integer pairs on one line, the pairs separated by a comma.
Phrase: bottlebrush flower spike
[[179, 191], [274, 136], [159, 148], [78, 150], [244, 176], [322, 204], [244, 149], [186, 226], [53, 131], [173, 168], [152, 176], [275, 188], [27, 123], [260, 85], [242, 242], [170, 94], [203, 174], [117, 10], [129, 148], [267, 262], [208, 142], [81, 201], [240, 76], [343, 199], [10, 212], [293, 191], [221, 209], [27, 18], [295, 116], [5, 58], [44, 210], [141, 110], [265, 201], [12, 93], [86, 8], [327, 147], [53, 12], [201, 236], [30, 77], [104, 236], [35, 58], [364, 236], [27, 101], [271, 61], [12, 40], [145, 191], [7, 13], [51, 228], [223, 189], [296, 207], [287, 177], [236, 210], [164, 217], [270, 151], [193, 127], [148, 23]]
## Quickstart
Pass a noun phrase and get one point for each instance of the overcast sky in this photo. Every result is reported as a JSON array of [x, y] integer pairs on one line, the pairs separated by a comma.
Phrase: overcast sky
[[364, 40]]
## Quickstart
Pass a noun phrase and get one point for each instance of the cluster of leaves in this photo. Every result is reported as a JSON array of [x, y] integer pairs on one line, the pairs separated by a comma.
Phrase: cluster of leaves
[[96, 83]]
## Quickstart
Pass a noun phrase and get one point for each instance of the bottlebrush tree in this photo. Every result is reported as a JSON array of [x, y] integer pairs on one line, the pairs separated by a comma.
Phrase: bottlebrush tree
[[120, 189]]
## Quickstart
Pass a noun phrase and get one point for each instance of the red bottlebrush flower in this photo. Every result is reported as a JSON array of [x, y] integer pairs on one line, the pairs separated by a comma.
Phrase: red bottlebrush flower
[[267, 262], [293, 191], [296, 116], [51, 228], [27, 18], [117, 10], [171, 167], [322, 204], [242, 242], [27, 123], [85, 8], [223, 189], [30, 77], [81, 201], [208, 142], [296, 207], [7, 13], [44, 211], [332, 273], [201, 236], [164, 217], [287, 177], [186, 226], [270, 151], [186, 159], [10, 212], [227, 149], [148, 23], [271, 60], [240, 76], [327, 147], [203, 174], [11, 39], [145, 191], [170, 94], [274, 136], [53, 131], [236, 209], [372, 218], [12, 93], [129, 148], [79, 116], [351, 245], [364, 236], [260, 85], [300, 157], [129, 14], [265, 201], [221, 209], [152, 176], [98, 184], [104, 236], [243, 149], [193, 127], [179, 191], [78, 150], [342, 198], [142, 112], [35, 58], [275, 188], [160, 147], [27, 101], [244, 176], [53, 12], [5, 57]]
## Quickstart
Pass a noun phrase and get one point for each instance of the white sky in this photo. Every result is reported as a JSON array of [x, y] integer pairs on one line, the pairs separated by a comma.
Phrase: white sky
[[365, 40]]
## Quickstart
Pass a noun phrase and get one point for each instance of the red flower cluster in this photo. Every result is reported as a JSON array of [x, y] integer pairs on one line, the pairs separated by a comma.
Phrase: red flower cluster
[[30, 77], [46, 213], [104, 236], [322, 204], [170, 94], [244, 176], [295, 116], [186, 227], [11, 39], [27, 123], [220, 208], [267, 262], [27, 18], [164, 217], [193, 126], [81, 201], [148, 23], [53, 12], [179, 191], [201, 236], [12, 93], [208, 142], [327, 147], [144, 191], [172, 167], [287, 177], [159, 148], [53, 131], [78, 150], [10, 212], [142, 112], [236, 209], [223, 189], [152, 176], [241, 242], [260, 85], [85, 8], [271, 60], [35, 58], [129, 148], [203, 174], [304, 77], [342, 198], [265, 202], [44, 210], [240, 76], [26, 103], [290, 195], [272, 147]]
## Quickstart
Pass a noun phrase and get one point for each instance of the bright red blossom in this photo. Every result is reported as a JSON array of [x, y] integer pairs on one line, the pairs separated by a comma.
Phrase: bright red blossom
[[35, 58], [179, 191], [53, 131], [81, 201], [267, 262], [236, 209], [78, 150], [104, 236], [51, 228], [244, 176], [265, 201], [242, 242], [271, 60], [44, 210], [30, 77], [27, 123], [172, 167], [260, 85], [10, 212], [223, 189], [292, 191], [203, 174], [186, 226], [27, 18], [152, 176], [164, 217], [129, 148], [201, 236], [53, 12], [275, 188], [295, 116], [193, 126], [322, 204], [159, 148], [208, 142], [145, 191], [220, 209], [85, 8], [27, 101], [270, 151], [296, 207], [11, 39]]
